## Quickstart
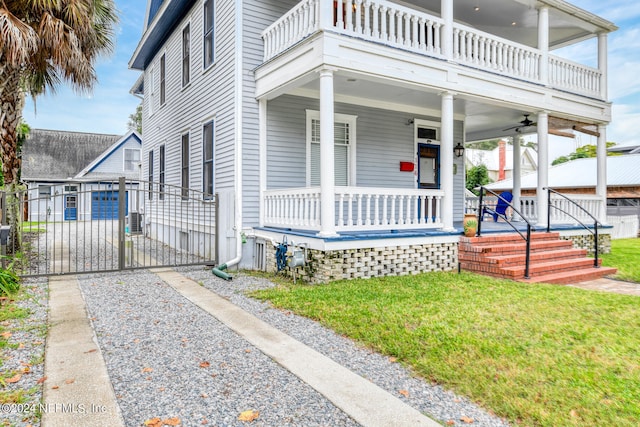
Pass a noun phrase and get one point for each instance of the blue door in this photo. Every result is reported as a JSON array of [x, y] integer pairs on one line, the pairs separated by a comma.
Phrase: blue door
[[70, 207], [104, 204]]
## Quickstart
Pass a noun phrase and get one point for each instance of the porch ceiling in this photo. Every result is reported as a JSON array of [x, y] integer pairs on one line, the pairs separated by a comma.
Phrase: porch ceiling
[[483, 119], [564, 26]]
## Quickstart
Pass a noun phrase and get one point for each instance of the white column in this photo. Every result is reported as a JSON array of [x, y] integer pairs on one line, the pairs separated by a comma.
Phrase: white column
[[327, 161], [262, 153], [517, 172], [446, 6], [325, 14], [601, 183], [446, 160], [543, 166], [602, 64], [543, 43]]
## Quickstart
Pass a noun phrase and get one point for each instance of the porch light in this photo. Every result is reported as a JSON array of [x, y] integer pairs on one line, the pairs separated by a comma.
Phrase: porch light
[[458, 150]]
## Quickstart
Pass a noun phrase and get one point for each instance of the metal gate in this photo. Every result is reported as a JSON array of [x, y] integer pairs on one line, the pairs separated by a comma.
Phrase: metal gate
[[105, 226]]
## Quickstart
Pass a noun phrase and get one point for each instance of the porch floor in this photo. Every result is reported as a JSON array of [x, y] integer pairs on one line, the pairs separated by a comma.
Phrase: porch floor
[[488, 227]]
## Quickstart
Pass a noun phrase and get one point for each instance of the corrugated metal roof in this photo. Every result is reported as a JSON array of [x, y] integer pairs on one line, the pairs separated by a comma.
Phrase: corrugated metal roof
[[621, 171]]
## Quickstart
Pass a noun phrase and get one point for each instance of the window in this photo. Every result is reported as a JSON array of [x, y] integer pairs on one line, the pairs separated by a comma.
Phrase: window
[[207, 161], [344, 148], [131, 159], [44, 191], [150, 175], [186, 55], [70, 188], [185, 166], [152, 85], [208, 33], [162, 79], [161, 173]]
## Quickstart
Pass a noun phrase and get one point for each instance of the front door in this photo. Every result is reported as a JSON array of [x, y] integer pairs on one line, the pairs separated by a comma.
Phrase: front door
[[70, 207], [428, 166]]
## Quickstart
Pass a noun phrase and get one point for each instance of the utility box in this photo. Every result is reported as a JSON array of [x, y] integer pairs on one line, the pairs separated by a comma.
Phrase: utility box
[[134, 222]]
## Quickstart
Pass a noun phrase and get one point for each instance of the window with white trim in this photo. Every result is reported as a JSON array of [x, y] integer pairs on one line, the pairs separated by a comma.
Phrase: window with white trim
[[209, 28], [161, 170], [186, 55], [163, 76], [131, 159], [151, 175], [207, 160], [152, 85], [344, 135], [184, 182]]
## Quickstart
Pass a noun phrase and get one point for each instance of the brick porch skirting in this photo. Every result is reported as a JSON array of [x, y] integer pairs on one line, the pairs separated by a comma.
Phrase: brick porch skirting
[[327, 266]]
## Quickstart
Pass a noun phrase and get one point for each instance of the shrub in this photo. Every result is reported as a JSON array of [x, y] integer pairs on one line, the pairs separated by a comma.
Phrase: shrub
[[9, 282]]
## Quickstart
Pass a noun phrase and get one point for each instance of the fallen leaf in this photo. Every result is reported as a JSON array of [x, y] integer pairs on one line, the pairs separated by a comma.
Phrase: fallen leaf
[[205, 364], [393, 359], [6, 334], [69, 381], [249, 415], [162, 389], [204, 422], [247, 350], [26, 370], [137, 340], [41, 380], [14, 379], [25, 364], [93, 350], [450, 422], [20, 346], [172, 422], [147, 370], [405, 393], [153, 422], [55, 387], [466, 419], [574, 413], [204, 395]]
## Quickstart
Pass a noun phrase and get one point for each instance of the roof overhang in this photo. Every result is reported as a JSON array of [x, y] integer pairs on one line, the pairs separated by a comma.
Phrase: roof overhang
[[157, 32]]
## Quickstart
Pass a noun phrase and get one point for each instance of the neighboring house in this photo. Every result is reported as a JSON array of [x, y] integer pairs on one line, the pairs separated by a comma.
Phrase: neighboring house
[[625, 149], [73, 175], [499, 161], [576, 179], [333, 123]]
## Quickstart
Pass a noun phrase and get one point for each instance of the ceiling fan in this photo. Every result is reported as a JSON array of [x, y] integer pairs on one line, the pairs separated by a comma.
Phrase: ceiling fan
[[523, 124]]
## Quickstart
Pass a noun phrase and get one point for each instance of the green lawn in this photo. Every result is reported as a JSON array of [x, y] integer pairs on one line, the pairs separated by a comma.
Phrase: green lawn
[[541, 355], [625, 256]]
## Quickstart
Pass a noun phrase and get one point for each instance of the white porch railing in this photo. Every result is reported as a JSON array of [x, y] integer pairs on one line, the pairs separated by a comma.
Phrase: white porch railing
[[529, 208], [398, 26], [357, 208]]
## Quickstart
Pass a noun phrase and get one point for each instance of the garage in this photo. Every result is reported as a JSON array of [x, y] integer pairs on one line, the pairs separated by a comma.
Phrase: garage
[[104, 204]]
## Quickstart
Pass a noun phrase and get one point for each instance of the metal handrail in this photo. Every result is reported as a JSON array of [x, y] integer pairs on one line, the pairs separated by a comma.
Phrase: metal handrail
[[527, 238], [596, 223]]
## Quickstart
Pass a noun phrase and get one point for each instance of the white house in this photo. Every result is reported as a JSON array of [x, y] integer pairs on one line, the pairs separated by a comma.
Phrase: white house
[[333, 123], [74, 176], [499, 161]]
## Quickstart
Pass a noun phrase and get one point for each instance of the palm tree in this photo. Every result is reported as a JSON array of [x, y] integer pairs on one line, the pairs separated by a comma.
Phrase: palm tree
[[42, 43]]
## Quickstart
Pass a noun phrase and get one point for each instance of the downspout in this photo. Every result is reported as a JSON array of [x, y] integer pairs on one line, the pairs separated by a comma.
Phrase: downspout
[[219, 270]]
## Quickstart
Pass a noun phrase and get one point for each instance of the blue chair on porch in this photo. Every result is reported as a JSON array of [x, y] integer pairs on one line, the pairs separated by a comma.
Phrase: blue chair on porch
[[501, 206]]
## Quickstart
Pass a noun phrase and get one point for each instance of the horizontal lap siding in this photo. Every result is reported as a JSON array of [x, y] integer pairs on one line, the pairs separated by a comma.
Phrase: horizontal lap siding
[[384, 139], [210, 94]]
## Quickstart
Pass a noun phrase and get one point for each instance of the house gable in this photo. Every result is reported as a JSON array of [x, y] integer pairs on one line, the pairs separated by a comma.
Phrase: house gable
[[111, 163]]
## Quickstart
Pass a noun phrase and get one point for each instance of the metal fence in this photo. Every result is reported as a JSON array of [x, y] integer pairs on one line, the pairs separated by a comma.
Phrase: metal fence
[[88, 227]]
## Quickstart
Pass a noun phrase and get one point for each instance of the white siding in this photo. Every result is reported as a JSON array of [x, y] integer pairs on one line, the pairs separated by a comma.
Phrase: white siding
[[114, 162], [208, 96]]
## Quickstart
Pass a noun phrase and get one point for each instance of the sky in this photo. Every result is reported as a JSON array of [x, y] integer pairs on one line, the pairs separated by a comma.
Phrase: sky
[[107, 110]]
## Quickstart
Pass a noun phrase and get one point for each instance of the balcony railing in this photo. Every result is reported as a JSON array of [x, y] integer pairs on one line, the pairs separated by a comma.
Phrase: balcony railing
[[357, 208], [393, 25]]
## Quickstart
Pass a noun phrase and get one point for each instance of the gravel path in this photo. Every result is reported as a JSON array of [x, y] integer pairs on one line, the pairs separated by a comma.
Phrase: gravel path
[[167, 358]]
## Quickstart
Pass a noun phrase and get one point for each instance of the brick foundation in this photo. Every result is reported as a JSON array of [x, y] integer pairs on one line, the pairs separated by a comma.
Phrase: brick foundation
[[327, 266]]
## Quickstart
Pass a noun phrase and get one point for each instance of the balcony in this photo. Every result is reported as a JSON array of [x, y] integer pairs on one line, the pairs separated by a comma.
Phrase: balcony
[[426, 35]]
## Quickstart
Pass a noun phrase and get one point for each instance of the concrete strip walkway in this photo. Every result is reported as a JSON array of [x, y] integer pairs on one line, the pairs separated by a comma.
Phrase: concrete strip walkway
[[77, 391], [365, 402], [610, 285]]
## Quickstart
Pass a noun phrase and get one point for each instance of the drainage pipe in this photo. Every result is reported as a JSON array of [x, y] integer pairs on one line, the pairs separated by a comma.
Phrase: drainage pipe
[[219, 270]]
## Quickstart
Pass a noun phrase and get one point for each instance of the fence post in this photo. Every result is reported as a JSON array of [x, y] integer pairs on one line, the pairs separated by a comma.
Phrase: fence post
[[122, 195]]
